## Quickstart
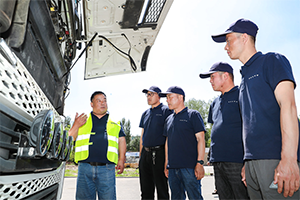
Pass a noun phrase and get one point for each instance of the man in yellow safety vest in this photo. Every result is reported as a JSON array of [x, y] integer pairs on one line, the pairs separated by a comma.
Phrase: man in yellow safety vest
[[100, 145]]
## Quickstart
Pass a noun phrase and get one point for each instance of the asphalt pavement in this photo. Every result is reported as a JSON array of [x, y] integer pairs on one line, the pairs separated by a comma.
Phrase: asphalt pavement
[[129, 188]]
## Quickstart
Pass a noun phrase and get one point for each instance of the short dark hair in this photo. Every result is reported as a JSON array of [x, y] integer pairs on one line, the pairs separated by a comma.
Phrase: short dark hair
[[253, 38], [231, 76], [96, 93]]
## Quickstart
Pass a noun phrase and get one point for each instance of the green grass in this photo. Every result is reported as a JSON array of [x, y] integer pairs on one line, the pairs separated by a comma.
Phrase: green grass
[[129, 172], [207, 174], [71, 173]]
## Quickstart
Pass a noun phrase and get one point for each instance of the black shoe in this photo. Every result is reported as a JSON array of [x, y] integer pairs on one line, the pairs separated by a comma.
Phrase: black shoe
[[215, 192]]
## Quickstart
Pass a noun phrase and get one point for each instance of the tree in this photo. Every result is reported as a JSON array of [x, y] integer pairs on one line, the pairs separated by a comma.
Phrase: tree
[[135, 143], [203, 108], [67, 124], [126, 128]]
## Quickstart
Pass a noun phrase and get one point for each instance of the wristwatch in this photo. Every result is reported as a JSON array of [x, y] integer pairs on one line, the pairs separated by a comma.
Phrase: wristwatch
[[200, 161]]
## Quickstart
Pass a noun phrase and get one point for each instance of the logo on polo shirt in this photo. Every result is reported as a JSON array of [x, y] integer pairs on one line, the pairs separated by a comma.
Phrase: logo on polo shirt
[[254, 76], [183, 120], [159, 115], [233, 101]]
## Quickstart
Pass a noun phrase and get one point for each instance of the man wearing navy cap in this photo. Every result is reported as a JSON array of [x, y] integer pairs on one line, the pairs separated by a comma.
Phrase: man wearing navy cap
[[185, 147], [268, 108], [226, 135], [152, 147]]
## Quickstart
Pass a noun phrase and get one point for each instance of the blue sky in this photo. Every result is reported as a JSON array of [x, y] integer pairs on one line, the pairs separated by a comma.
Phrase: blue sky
[[184, 48]]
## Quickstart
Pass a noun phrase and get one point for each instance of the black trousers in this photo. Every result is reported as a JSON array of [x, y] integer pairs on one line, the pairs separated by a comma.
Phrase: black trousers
[[228, 180], [151, 167]]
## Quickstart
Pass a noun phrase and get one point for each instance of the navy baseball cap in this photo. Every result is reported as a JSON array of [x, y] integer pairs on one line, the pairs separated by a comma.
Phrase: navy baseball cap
[[240, 26], [152, 89], [173, 89], [217, 67]]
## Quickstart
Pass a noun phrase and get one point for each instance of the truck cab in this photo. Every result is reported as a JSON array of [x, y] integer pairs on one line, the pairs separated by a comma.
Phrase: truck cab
[[40, 43]]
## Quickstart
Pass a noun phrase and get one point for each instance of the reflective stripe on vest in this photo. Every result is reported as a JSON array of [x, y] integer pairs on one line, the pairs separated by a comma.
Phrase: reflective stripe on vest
[[83, 138], [113, 130], [82, 148]]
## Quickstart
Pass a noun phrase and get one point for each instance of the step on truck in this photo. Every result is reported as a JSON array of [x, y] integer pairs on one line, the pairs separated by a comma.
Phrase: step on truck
[[40, 42]]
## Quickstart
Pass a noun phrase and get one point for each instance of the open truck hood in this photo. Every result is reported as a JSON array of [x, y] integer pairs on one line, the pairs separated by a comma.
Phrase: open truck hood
[[126, 31]]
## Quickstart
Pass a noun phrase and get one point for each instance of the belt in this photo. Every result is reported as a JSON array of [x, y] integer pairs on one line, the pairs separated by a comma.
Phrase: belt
[[97, 164], [154, 148]]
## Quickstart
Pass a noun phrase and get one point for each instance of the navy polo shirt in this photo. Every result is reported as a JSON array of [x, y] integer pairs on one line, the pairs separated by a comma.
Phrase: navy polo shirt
[[259, 108], [226, 133], [180, 129], [98, 150], [152, 122]]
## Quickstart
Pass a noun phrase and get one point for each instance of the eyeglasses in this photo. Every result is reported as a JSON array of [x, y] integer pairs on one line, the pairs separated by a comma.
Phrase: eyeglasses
[[149, 94]]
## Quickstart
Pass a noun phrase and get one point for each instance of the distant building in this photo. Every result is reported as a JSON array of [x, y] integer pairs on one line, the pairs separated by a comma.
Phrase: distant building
[[132, 159]]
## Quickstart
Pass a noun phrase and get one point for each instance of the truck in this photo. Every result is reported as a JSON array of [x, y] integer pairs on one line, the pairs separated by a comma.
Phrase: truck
[[40, 43]]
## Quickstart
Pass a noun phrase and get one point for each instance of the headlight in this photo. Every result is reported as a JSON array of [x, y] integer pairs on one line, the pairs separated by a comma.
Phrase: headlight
[[65, 145], [41, 132], [57, 142], [69, 149]]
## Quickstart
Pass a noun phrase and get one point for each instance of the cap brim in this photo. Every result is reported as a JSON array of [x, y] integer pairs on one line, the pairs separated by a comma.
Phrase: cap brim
[[206, 74], [220, 37], [164, 94], [146, 91]]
